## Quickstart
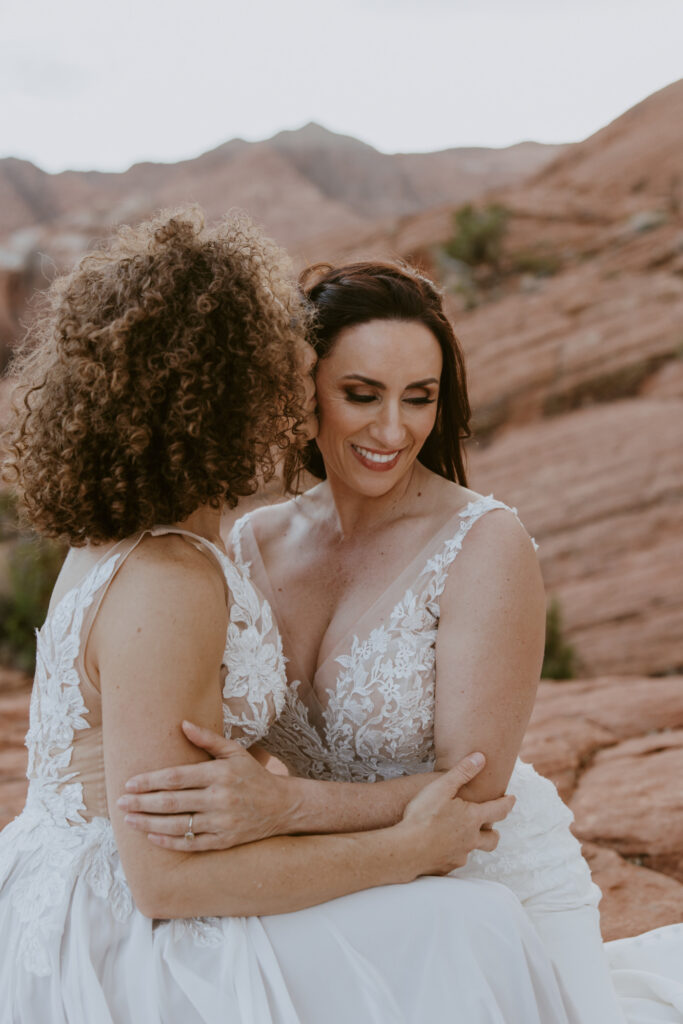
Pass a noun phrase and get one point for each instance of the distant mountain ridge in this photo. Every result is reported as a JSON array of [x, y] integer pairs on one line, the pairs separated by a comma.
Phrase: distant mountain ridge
[[327, 182]]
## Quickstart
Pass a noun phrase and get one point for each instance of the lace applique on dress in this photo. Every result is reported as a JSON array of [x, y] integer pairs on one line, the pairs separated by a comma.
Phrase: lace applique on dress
[[51, 849], [255, 681], [377, 722], [57, 706], [52, 822]]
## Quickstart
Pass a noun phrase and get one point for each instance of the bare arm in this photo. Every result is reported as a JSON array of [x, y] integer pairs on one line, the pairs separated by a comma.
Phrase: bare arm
[[157, 645], [235, 799], [489, 651]]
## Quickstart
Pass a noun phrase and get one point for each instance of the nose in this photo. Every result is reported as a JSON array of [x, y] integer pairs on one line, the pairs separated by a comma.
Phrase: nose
[[388, 429]]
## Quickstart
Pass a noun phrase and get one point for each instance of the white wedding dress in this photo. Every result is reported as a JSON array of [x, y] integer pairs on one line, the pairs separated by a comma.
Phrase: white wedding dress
[[75, 949], [369, 714]]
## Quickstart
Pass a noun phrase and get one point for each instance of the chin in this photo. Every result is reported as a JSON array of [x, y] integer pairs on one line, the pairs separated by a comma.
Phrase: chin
[[374, 486]]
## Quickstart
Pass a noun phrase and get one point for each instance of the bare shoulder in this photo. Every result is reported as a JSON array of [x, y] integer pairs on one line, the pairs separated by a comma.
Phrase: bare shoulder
[[496, 529], [166, 580], [288, 520], [271, 521], [497, 557]]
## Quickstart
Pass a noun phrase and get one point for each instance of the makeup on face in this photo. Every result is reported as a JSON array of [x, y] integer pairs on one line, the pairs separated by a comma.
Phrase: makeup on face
[[378, 391]]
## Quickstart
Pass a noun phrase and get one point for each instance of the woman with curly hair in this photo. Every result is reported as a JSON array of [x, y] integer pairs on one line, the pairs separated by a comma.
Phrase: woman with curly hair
[[165, 373]]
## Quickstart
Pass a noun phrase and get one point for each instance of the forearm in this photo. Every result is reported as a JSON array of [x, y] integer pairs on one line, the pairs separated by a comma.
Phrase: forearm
[[315, 806], [274, 876]]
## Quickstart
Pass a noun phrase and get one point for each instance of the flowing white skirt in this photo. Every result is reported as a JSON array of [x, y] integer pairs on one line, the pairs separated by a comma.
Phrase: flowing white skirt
[[75, 949]]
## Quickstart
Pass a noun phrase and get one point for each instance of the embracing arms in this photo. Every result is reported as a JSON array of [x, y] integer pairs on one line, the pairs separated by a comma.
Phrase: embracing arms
[[489, 652], [157, 646]]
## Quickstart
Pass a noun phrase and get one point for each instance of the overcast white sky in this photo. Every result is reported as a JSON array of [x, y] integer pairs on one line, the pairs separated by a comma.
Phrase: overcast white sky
[[86, 84]]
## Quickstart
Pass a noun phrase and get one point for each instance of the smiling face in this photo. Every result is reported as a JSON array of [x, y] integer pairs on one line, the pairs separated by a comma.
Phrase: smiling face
[[377, 392]]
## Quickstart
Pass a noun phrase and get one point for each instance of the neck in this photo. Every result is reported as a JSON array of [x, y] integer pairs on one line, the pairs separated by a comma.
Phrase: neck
[[205, 521], [357, 513]]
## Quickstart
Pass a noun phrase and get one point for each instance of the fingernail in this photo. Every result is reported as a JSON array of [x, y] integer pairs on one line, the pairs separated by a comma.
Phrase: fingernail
[[129, 818], [122, 801], [132, 785], [477, 759]]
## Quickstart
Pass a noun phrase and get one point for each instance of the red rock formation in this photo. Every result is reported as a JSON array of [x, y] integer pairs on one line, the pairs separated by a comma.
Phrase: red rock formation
[[575, 340], [614, 748], [634, 164], [634, 899], [601, 489]]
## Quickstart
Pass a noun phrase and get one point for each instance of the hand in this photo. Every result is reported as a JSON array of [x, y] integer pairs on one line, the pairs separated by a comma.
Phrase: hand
[[232, 799], [443, 828]]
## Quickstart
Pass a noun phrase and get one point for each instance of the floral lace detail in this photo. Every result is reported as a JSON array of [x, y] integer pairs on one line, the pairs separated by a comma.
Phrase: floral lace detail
[[296, 741], [55, 859], [203, 931], [51, 850], [537, 856], [255, 682], [378, 722], [57, 706]]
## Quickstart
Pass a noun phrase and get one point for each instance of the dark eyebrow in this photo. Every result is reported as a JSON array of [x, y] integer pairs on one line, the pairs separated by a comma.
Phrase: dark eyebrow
[[378, 383], [365, 380]]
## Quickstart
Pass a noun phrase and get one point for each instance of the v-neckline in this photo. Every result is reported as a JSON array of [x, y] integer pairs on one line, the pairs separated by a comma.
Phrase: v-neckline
[[402, 584]]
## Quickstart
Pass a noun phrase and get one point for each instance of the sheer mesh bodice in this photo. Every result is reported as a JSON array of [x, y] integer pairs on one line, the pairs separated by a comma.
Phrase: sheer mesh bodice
[[369, 714]]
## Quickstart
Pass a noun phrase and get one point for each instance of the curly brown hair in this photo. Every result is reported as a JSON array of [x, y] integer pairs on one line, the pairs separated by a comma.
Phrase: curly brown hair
[[161, 375]]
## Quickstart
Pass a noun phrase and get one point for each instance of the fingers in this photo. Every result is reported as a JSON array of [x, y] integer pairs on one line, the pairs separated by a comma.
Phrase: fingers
[[168, 824], [496, 810], [488, 840], [185, 801], [212, 742], [187, 776], [463, 772], [200, 843]]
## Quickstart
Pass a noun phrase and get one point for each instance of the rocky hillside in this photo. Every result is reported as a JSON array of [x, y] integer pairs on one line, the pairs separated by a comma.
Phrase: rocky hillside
[[304, 186]]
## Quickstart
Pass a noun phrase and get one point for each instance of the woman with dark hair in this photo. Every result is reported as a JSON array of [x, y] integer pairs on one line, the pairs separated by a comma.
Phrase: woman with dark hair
[[412, 613], [166, 370], [362, 293]]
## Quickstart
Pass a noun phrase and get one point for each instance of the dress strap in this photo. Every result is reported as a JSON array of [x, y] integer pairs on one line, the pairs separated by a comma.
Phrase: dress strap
[[236, 536], [121, 553], [435, 571], [115, 558]]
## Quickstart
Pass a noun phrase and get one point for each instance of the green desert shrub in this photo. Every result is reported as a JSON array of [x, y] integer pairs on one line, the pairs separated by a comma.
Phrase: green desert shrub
[[539, 262], [31, 567], [478, 234], [559, 658]]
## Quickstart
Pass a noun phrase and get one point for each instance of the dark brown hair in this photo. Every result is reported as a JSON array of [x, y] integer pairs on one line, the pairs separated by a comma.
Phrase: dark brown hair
[[161, 376], [345, 296]]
